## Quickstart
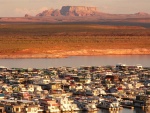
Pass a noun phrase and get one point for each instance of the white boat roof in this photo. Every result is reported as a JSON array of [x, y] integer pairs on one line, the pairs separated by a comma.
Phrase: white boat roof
[[8, 100], [3, 67], [25, 101]]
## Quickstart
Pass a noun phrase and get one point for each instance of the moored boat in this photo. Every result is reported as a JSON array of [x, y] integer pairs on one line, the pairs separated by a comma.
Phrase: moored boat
[[110, 105]]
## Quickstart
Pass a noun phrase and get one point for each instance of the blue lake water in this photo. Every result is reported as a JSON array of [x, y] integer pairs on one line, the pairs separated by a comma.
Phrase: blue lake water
[[77, 61]]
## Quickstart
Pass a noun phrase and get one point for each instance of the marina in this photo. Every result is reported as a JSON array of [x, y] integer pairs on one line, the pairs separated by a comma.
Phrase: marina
[[120, 88]]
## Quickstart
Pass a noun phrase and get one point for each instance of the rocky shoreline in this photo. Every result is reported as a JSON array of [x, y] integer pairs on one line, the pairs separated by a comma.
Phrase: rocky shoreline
[[82, 52]]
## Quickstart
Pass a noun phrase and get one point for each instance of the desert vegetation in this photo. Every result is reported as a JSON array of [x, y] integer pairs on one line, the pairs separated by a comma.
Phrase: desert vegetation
[[51, 39]]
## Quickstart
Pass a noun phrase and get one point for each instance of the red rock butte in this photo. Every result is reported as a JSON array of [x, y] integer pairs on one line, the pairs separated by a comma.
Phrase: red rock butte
[[78, 11], [70, 11]]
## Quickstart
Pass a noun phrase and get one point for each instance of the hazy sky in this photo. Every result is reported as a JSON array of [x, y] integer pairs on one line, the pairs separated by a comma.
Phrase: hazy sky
[[17, 8]]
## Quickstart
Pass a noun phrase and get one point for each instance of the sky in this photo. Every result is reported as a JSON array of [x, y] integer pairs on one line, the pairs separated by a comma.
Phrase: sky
[[18, 8]]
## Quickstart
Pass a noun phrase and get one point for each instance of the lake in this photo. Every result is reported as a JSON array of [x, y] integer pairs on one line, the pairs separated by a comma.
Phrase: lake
[[136, 110], [76, 61]]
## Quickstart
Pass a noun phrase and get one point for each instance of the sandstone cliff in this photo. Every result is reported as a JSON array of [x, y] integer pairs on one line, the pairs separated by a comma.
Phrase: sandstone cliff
[[73, 12], [46, 13], [56, 13], [78, 11], [70, 11]]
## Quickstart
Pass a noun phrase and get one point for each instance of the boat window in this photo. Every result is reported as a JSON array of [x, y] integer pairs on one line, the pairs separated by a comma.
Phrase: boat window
[[8, 108], [1, 110], [17, 109]]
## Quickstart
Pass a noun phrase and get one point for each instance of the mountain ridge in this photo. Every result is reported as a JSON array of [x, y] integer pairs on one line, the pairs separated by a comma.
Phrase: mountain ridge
[[77, 14], [84, 11]]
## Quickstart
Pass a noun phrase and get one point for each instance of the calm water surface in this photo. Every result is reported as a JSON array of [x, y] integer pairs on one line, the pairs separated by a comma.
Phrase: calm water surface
[[136, 110], [77, 61]]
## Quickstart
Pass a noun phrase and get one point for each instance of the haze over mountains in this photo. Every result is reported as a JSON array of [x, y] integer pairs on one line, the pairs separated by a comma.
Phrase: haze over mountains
[[83, 11], [78, 14]]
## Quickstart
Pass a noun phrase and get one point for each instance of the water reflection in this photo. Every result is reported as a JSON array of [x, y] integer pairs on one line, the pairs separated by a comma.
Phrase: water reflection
[[138, 110], [105, 111]]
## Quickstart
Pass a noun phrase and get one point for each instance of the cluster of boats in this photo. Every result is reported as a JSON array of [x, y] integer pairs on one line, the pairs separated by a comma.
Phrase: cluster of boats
[[86, 88]]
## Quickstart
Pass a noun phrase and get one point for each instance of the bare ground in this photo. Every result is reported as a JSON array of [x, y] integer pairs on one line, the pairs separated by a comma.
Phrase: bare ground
[[83, 52]]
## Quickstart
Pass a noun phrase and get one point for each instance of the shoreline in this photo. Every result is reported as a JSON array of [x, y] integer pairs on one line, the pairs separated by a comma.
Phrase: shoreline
[[82, 52]]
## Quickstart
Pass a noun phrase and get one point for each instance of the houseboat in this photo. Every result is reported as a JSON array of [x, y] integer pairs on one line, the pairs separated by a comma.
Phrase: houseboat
[[89, 107], [50, 105], [110, 105], [65, 103], [141, 101], [127, 103]]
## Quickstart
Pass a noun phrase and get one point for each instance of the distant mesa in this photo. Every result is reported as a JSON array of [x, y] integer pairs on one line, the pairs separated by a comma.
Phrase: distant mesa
[[141, 13], [70, 11], [91, 13], [78, 11]]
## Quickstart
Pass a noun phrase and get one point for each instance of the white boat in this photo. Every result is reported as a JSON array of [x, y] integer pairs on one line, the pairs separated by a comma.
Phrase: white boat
[[50, 105], [65, 108], [53, 109], [87, 104], [75, 107], [127, 102], [111, 105], [89, 107], [65, 104]]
